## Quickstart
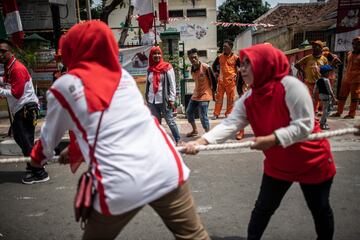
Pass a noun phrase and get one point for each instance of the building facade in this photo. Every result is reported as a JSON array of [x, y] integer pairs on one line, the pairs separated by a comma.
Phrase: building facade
[[192, 18]]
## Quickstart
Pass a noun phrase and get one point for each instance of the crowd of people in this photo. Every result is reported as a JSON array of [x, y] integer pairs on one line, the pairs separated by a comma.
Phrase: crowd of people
[[106, 121]]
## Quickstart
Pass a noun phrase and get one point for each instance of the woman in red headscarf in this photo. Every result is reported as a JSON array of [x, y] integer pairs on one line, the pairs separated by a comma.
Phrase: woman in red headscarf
[[160, 90], [132, 161], [280, 111]]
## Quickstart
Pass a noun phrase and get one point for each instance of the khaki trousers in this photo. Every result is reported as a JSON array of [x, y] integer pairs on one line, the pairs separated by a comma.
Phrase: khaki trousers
[[176, 209]]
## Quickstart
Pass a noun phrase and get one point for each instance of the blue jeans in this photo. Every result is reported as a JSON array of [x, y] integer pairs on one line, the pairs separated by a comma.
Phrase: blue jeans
[[327, 105], [159, 110], [203, 110]]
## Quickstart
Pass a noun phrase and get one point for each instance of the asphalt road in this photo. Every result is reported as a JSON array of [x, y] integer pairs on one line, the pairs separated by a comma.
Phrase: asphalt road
[[224, 184]]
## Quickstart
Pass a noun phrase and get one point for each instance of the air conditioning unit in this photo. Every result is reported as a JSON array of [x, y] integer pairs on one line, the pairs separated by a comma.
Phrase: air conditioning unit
[[58, 2]]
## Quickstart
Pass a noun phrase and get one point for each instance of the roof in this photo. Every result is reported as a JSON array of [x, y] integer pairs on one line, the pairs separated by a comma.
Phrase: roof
[[301, 16], [36, 37]]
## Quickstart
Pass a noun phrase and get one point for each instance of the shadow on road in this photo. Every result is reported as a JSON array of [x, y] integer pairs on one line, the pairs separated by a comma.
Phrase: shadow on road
[[11, 176]]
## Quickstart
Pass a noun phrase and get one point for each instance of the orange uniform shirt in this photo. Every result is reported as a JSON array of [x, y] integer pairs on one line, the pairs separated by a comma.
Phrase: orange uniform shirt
[[203, 88], [228, 68], [352, 74]]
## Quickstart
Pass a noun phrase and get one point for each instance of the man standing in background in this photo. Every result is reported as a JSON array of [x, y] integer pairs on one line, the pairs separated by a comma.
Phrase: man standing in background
[[351, 82], [225, 68], [309, 66], [23, 103], [203, 92]]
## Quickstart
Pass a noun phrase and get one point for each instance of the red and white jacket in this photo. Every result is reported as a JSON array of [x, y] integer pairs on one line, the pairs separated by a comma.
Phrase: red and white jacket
[[135, 160], [290, 114], [17, 86]]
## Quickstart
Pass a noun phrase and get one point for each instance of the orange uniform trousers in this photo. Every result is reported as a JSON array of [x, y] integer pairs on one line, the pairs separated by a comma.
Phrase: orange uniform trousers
[[354, 90], [229, 89]]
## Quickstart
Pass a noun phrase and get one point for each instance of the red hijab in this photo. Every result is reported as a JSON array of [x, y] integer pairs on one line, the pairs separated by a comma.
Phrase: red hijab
[[157, 68], [269, 65], [90, 52]]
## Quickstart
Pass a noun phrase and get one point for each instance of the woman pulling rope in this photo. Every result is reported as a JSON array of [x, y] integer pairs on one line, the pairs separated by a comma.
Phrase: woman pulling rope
[[280, 111]]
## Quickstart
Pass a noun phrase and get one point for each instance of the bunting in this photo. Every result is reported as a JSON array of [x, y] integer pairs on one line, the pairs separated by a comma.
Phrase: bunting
[[229, 24]]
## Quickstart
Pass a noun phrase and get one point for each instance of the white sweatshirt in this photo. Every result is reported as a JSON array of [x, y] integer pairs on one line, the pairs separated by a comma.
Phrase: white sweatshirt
[[136, 161]]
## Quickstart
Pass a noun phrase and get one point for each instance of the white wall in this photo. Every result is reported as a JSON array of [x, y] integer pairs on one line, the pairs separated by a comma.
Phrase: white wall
[[187, 27], [243, 40]]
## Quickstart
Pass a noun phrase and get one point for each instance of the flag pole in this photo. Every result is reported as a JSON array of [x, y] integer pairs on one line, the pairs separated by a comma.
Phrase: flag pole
[[154, 12]]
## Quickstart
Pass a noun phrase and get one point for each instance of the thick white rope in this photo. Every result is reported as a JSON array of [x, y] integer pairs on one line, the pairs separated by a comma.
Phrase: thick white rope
[[210, 147]]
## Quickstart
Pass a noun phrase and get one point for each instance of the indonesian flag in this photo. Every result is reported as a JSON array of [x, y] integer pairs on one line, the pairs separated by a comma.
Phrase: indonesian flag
[[144, 8], [12, 21]]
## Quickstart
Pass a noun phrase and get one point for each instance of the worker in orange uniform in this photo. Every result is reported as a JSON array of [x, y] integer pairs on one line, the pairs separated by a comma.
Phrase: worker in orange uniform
[[351, 82], [225, 68], [310, 65]]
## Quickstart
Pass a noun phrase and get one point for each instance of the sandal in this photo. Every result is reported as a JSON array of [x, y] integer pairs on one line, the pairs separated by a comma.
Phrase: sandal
[[192, 134]]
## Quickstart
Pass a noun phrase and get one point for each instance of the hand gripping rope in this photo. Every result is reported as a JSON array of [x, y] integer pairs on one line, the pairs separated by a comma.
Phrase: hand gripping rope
[[209, 147]]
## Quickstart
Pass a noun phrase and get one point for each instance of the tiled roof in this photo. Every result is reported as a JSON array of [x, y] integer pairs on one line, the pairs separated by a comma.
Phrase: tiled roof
[[301, 15]]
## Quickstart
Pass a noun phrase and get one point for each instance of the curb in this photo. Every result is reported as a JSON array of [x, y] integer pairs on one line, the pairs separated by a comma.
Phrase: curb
[[9, 147]]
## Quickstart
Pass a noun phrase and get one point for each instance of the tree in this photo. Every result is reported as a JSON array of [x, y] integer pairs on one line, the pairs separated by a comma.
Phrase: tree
[[101, 11], [104, 9], [127, 24], [242, 11]]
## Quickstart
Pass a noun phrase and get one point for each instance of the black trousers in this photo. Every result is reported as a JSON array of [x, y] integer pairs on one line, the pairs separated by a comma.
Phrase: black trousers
[[24, 130], [271, 193]]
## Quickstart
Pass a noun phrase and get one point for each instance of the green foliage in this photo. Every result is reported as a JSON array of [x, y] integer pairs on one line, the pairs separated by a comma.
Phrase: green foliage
[[95, 12], [27, 57], [174, 60], [241, 11]]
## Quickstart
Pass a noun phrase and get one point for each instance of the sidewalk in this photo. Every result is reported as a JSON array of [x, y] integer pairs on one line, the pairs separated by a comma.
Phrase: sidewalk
[[10, 148]]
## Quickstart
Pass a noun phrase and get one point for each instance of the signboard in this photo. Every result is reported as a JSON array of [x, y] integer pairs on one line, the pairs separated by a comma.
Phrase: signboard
[[348, 24], [135, 60], [36, 14], [45, 66], [192, 31]]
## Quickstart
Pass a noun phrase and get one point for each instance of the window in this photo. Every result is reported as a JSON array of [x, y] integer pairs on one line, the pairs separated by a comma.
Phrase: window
[[196, 12], [202, 53], [176, 13]]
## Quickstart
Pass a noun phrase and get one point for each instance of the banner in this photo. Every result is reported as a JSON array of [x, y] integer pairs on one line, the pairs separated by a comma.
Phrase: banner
[[135, 60], [190, 31], [348, 24]]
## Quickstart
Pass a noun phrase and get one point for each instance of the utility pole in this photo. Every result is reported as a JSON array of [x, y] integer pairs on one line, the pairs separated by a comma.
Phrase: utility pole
[[55, 12], [88, 9]]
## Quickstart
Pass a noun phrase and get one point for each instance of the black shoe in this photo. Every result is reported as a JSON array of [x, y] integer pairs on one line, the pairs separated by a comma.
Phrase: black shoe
[[36, 176], [324, 126]]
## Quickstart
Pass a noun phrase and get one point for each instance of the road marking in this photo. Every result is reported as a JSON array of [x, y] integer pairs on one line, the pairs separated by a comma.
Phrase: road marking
[[36, 214], [25, 198], [203, 209]]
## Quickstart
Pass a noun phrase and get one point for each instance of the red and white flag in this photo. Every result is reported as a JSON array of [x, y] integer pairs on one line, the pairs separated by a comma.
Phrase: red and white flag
[[12, 21], [145, 10]]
